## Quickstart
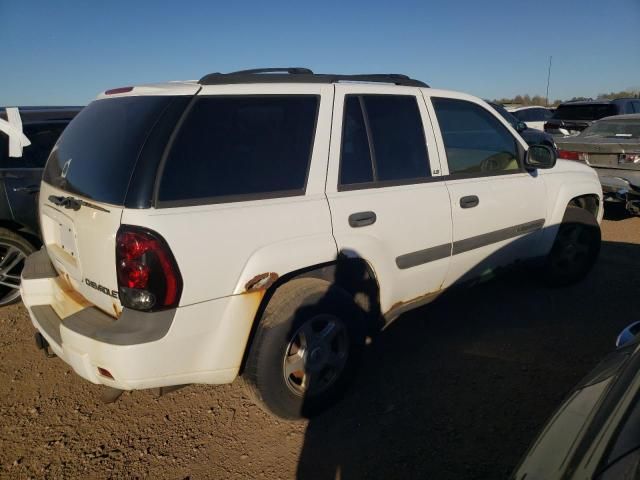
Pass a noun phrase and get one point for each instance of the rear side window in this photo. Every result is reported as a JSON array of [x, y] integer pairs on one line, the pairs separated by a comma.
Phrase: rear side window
[[42, 137], [383, 142], [97, 153], [234, 148], [475, 141]]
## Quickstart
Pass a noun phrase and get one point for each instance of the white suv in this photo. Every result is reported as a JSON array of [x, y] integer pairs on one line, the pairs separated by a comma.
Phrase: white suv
[[265, 222]]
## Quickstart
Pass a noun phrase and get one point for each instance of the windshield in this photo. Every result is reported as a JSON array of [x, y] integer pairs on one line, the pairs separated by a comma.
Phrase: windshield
[[97, 153], [589, 111], [613, 129]]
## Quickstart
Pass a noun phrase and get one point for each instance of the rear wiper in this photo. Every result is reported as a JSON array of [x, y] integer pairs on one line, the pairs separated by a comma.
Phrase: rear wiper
[[73, 203]]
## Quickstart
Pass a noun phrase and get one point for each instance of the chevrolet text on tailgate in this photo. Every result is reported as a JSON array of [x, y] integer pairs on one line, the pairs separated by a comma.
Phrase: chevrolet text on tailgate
[[264, 223]]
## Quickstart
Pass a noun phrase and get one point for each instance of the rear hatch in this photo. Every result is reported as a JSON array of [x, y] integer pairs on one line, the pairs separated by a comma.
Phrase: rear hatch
[[87, 184]]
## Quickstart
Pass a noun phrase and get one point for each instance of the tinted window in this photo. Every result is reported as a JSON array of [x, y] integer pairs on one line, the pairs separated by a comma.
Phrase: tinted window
[[628, 107], [637, 106], [355, 160], [42, 138], [383, 140], [584, 112], [97, 152], [236, 148], [521, 115], [537, 114], [475, 141]]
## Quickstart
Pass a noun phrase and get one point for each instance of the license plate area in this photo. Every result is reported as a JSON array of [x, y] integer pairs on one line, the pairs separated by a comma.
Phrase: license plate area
[[67, 240]]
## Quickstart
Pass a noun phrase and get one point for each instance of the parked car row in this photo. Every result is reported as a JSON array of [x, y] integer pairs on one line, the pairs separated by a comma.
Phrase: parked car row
[[571, 118]]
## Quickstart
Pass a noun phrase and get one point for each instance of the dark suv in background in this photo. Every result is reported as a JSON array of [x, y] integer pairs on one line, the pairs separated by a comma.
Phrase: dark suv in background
[[19, 186], [573, 117]]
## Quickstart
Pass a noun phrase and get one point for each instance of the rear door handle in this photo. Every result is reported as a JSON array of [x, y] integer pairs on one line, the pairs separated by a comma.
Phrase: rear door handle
[[362, 219], [469, 201], [29, 189]]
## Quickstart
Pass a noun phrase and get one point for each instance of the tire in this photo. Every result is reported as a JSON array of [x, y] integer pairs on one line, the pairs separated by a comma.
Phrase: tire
[[306, 349], [14, 249], [575, 249]]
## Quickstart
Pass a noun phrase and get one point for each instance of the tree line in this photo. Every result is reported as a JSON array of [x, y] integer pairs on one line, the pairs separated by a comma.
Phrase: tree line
[[540, 100]]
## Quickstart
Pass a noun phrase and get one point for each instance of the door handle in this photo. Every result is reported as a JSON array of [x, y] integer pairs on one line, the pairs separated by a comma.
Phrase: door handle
[[29, 189], [469, 201], [362, 219]]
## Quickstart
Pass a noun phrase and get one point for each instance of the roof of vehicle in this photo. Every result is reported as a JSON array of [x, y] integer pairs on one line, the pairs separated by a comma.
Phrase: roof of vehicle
[[303, 75], [526, 107], [596, 102], [259, 76], [628, 116]]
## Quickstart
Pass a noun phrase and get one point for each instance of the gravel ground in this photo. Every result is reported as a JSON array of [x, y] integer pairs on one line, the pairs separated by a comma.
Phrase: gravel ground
[[457, 389]]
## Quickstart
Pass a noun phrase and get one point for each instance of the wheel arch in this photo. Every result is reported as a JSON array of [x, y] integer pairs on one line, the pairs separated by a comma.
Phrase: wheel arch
[[354, 275]]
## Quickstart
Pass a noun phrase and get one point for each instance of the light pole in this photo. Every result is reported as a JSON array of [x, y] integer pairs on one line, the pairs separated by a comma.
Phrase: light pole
[[549, 78]]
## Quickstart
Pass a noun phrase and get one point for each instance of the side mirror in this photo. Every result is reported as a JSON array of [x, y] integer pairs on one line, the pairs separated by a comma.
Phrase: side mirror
[[521, 127], [628, 335], [540, 156]]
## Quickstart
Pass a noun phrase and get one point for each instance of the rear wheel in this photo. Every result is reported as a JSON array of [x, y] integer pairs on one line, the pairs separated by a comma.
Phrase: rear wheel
[[14, 249], [575, 248], [306, 348]]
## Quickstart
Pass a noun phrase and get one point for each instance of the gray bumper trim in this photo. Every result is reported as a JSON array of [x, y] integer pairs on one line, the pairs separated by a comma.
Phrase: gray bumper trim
[[132, 328], [49, 321], [38, 266]]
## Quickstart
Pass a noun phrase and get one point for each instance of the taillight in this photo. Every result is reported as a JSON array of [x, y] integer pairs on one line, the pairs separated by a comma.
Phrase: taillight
[[148, 276], [570, 155]]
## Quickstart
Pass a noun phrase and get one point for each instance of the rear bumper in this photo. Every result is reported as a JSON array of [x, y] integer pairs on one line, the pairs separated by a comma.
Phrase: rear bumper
[[619, 185], [201, 343]]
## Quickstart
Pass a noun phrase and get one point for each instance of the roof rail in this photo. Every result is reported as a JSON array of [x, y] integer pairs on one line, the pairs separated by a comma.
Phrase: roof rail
[[303, 75]]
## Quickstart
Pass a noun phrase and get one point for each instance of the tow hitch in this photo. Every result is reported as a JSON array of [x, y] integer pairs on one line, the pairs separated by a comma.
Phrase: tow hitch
[[42, 344]]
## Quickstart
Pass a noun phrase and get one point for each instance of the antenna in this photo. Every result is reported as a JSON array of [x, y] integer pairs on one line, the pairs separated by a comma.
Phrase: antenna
[[549, 78]]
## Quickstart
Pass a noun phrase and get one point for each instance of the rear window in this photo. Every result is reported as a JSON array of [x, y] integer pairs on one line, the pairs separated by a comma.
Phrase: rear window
[[97, 153], [235, 148], [584, 112]]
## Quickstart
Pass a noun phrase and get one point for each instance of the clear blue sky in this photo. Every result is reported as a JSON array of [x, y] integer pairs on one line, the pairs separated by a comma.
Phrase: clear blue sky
[[64, 52]]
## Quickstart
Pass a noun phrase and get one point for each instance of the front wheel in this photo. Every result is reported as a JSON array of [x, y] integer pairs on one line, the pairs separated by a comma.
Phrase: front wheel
[[306, 348], [575, 248]]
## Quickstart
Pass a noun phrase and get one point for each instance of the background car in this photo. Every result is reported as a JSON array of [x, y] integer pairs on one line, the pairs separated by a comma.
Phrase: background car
[[530, 135], [19, 185], [571, 118], [595, 434], [612, 147], [534, 116]]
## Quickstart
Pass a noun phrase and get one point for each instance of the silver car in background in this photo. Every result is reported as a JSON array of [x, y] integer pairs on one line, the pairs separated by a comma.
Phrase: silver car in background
[[612, 147]]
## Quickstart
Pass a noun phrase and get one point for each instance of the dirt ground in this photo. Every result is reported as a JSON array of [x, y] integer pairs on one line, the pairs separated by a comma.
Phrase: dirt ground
[[455, 390]]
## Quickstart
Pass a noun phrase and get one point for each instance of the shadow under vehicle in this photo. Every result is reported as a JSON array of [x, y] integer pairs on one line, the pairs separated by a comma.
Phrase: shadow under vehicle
[[20, 175]]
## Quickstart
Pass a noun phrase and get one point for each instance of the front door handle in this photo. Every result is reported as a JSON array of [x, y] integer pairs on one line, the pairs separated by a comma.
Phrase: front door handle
[[362, 219], [469, 201]]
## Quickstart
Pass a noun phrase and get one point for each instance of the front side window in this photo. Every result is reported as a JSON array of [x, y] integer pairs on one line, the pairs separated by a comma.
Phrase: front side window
[[234, 148], [383, 141], [475, 141]]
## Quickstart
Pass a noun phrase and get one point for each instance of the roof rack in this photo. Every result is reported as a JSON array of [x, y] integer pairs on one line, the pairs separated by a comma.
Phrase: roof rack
[[303, 75]]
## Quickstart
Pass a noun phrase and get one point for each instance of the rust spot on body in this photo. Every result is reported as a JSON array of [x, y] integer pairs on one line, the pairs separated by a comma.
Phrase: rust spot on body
[[261, 282]]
